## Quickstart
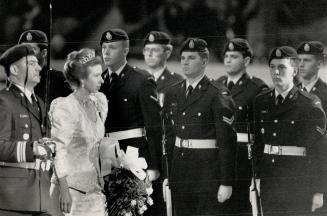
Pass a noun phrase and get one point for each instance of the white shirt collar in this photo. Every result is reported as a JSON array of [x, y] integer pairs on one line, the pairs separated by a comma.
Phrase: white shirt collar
[[235, 79], [284, 93], [158, 73], [27, 92], [195, 83], [119, 70], [310, 86]]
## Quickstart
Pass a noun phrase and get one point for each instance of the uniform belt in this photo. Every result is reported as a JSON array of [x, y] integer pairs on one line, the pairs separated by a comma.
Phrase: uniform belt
[[244, 138], [128, 134], [29, 165], [196, 143], [285, 150]]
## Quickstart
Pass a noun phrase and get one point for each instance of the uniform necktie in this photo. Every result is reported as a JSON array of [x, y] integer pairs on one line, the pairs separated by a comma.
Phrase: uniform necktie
[[35, 104], [305, 89], [230, 85], [113, 78], [279, 100], [189, 91]]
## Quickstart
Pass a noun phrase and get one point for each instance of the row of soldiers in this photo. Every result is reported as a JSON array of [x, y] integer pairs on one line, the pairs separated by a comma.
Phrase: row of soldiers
[[222, 138]]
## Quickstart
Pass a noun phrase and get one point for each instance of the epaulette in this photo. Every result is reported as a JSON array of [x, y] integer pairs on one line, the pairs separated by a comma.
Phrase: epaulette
[[222, 79], [308, 95], [265, 92], [256, 81], [220, 87]]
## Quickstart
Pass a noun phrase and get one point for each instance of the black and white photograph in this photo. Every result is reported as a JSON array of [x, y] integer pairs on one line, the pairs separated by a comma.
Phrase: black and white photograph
[[163, 108]]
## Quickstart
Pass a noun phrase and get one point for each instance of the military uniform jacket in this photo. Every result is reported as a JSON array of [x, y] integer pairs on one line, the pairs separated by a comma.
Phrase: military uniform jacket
[[57, 86], [299, 122], [133, 103], [243, 94], [205, 114], [166, 80], [21, 189], [320, 89]]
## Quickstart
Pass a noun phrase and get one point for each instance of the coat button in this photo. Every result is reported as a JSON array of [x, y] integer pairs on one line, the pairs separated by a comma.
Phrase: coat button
[[262, 130], [125, 99], [292, 122], [26, 125], [183, 127], [274, 134], [240, 108], [183, 113], [276, 121], [199, 114], [261, 120], [26, 136]]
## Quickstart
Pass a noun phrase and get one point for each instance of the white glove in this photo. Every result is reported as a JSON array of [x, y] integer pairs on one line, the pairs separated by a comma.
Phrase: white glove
[[164, 185], [317, 201], [224, 193], [152, 174]]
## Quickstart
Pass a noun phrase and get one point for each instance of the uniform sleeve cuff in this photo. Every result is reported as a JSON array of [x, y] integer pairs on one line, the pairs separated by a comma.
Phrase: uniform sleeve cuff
[[29, 152]]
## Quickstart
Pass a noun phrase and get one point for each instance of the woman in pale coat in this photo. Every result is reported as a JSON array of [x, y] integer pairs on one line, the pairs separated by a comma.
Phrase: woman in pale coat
[[77, 128]]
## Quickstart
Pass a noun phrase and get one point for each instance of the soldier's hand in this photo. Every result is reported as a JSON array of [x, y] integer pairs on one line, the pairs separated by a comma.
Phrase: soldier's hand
[[317, 201], [164, 185], [152, 174], [224, 193], [39, 150]]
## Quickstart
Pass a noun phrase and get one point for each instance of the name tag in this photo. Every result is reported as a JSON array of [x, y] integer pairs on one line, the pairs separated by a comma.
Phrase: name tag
[[23, 116]]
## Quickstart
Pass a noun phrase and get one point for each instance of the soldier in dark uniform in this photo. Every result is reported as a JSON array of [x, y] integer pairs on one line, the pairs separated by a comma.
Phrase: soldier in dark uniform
[[288, 123], [157, 50], [311, 55], [202, 141], [133, 108], [52, 79], [24, 169], [243, 88]]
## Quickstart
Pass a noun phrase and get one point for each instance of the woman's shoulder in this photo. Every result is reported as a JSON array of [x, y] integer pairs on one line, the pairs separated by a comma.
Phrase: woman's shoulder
[[101, 103], [63, 103]]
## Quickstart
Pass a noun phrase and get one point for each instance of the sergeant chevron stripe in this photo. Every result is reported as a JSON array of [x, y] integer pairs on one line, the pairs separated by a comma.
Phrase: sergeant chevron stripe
[[228, 120]]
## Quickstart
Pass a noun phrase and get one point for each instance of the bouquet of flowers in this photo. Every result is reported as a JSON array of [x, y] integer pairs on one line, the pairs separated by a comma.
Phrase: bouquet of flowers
[[128, 189]]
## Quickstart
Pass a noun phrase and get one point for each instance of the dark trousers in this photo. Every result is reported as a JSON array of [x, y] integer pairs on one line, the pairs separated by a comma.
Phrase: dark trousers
[[159, 206], [199, 204]]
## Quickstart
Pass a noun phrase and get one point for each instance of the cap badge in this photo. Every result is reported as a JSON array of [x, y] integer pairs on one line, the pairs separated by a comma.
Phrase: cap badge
[[191, 44], [306, 47], [151, 38], [231, 46], [29, 36], [278, 53], [108, 36]]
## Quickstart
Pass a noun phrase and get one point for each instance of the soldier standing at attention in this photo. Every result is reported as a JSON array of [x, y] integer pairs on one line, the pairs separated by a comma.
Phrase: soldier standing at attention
[[133, 108], [288, 125], [25, 170], [52, 79], [243, 88], [311, 55], [157, 50], [202, 139]]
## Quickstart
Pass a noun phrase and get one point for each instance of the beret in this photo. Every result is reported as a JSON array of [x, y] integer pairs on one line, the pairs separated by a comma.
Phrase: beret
[[283, 52], [194, 45], [157, 37], [113, 35], [240, 45], [33, 36], [311, 47]]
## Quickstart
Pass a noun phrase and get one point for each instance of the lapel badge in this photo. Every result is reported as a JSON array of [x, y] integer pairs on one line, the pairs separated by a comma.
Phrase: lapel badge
[[26, 136], [108, 36], [151, 38], [306, 47], [241, 82], [291, 96], [191, 44], [231, 46], [200, 86], [278, 53], [163, 77], [29, 36], [314, 89]]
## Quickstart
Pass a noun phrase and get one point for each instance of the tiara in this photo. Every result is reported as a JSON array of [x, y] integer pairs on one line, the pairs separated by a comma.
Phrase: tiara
[[89, 56]]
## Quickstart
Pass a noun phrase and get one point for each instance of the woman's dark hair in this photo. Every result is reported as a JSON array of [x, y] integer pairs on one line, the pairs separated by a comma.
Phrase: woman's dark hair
[[75, 67]]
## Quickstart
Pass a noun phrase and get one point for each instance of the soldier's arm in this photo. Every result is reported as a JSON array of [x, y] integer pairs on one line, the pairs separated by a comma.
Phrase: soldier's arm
[[258, 146], [226, 137], [12, 149], [316, 124], [151, 114]]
